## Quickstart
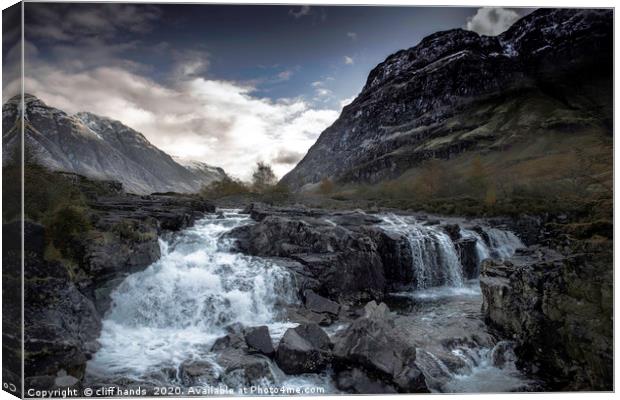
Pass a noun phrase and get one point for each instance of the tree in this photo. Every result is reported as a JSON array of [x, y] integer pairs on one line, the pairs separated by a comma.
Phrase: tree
[[224, 187], [263, 177]]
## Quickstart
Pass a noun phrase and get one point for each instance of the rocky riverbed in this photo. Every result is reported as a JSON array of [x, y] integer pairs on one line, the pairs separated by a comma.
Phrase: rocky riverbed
[[187, 296], [277, 316]]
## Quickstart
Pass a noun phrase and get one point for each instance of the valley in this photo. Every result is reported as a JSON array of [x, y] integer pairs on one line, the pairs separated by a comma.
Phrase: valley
[[450, 232]]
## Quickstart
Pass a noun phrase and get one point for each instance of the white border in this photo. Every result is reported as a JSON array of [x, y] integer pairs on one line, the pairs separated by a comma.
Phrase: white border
[[461, 3]]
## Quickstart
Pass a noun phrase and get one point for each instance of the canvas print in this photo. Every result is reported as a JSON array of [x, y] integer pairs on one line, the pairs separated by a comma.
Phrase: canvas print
[[230, 199]]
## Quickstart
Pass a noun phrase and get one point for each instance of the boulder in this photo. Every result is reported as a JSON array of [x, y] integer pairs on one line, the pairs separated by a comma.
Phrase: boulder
[[258, 339], [305, 316], [320, 304], [243, 370], [198, 373], [303, 349], [241, 365], [357, 381], [372, 343]]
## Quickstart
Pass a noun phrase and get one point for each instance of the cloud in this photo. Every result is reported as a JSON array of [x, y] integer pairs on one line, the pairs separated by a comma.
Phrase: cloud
[[285, 75], [349, 60], [323, 92], [492, 21], [347, 101], [76, 22], [287, 157], [352, 35], [189, 63], [189, 115], [303, 10]]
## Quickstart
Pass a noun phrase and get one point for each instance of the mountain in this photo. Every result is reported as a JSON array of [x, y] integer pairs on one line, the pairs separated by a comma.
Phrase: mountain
[[98, 147], [544, 85], [204, 172]]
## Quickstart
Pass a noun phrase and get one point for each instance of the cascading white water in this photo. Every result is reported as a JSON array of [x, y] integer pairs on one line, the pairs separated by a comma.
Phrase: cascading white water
[[503, 243], [177, 307], [435, 260], [482, 250], [447, 312]]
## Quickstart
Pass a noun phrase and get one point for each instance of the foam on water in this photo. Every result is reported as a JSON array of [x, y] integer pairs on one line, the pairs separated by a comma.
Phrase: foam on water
[[482, 374], [177, 307]]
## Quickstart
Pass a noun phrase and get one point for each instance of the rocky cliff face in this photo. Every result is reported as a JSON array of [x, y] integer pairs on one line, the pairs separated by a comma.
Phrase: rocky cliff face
[[558, 308], [98, 147], [454, 92]]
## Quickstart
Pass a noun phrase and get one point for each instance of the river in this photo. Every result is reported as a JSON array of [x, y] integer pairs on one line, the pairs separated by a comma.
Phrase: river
[[175, 309]]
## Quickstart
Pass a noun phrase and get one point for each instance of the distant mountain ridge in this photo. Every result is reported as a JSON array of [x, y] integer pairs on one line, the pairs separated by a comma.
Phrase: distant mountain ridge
[[457, 92], [100, 148]]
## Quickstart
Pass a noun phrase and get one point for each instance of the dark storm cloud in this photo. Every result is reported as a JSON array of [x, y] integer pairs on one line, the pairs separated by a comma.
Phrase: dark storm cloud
[[74, 22]]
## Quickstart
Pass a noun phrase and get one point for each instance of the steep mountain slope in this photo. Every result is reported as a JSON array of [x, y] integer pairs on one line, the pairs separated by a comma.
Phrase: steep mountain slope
[[204, 172], [98, 147], [459, 93]]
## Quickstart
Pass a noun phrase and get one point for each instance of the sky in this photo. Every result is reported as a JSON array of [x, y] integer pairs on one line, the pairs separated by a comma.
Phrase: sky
[[229, 85]]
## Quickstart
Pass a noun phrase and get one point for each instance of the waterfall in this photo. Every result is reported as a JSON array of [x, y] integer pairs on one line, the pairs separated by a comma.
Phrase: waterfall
[[435, 258], [503, 243], [482, 250], [177, 307]]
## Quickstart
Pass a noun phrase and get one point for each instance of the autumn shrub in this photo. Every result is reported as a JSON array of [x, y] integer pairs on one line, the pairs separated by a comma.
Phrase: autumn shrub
[[223, 188]]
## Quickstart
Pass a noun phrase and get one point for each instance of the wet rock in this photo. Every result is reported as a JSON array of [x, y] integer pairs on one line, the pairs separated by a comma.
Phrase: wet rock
[[372, 343], [558, 310], [231, 340], [305, 316], [198, 373], [245, 370], [503, 354], [344, 262], [357, 381], [242, 366], [258, 338], [303, 349], [453, 230], [468, 256], [320, 304], [395, 253]]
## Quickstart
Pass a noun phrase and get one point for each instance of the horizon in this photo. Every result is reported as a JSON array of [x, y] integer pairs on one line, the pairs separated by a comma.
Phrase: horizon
[[222, 84]]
